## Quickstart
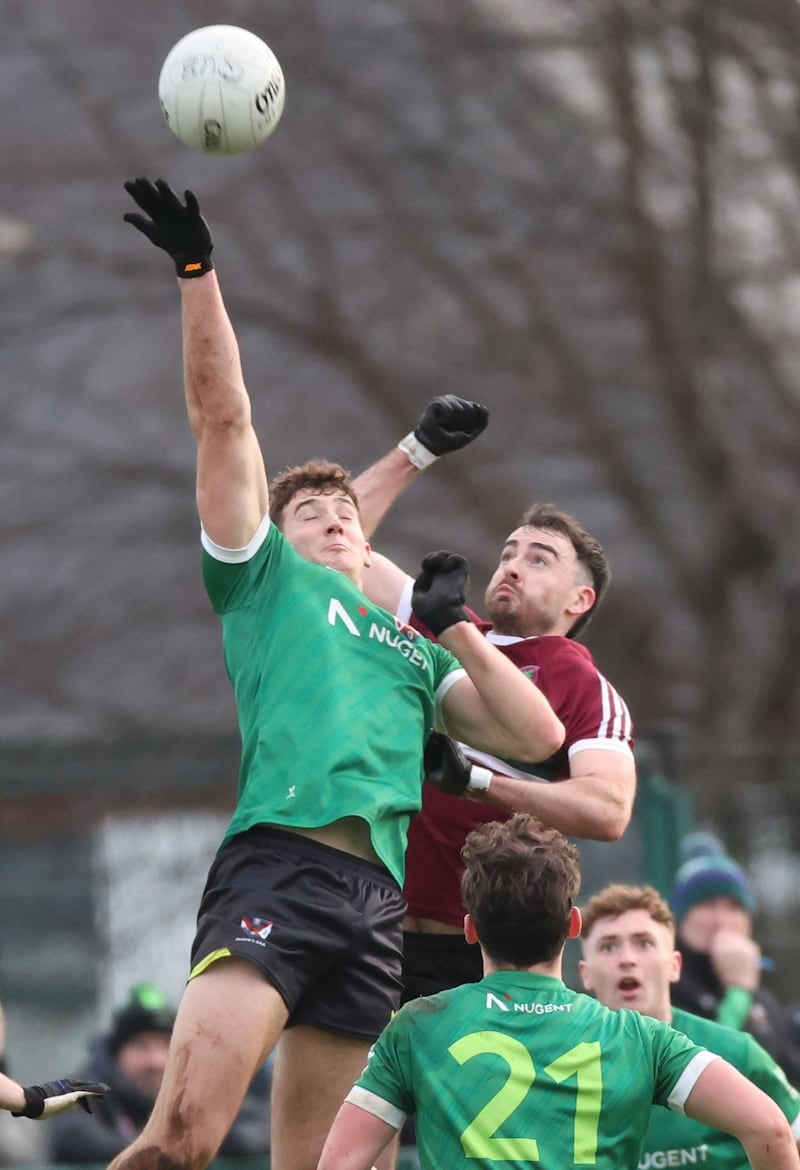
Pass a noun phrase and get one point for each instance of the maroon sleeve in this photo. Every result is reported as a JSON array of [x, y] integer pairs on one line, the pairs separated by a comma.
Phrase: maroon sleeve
[[585, 701]]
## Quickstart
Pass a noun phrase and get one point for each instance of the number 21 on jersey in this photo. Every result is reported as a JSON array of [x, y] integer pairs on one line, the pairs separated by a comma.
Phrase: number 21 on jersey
[[582, 1062]]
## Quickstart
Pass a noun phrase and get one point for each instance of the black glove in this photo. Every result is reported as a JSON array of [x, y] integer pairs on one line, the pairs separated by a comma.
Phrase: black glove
[[449, 770], [449, 423], [445, 764], [42, 1101], [180, 230], [440, 591]]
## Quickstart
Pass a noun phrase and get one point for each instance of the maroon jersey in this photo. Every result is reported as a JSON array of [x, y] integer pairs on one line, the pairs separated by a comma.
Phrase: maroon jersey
[[594, 716]]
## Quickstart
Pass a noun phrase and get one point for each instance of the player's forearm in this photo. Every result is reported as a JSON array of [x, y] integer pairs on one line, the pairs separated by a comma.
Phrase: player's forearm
[[512, 718], [777, 1151], [448, 423], [215, 391], [723, 1098], [378, 487], [12, 1095], [355, 1140], [584, 807]]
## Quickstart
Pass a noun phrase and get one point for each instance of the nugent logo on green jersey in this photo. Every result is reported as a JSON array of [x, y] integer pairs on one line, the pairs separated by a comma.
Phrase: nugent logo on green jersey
[[537, 1009], [401, 638]]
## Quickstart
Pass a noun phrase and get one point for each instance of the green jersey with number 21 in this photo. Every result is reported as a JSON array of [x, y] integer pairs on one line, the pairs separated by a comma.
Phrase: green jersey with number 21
[[519, 1070]]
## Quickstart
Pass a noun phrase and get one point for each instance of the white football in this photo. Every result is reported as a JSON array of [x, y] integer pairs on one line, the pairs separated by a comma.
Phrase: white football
[[221, 89]]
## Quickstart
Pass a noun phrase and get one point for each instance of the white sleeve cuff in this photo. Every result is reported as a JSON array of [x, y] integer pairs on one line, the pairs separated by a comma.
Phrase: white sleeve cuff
[[688, 1079], [378, 1106], [237, 556], [404, 612]]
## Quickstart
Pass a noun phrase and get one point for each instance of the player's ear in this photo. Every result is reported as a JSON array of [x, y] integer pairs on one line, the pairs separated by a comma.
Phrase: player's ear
[[470, 932], [574, 923], [582, 601], [586, 978], [675, 970], [367, 555]]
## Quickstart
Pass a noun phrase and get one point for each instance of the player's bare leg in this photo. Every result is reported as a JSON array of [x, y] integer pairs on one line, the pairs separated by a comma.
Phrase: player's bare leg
[[229, 1020], [313, 1073]]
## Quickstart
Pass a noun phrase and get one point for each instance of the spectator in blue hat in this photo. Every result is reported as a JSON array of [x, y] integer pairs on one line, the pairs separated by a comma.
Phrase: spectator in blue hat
[[714, 902]]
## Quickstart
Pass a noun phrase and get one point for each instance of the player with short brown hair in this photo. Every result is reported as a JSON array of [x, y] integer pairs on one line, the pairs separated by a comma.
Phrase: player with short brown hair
[[298, 932]]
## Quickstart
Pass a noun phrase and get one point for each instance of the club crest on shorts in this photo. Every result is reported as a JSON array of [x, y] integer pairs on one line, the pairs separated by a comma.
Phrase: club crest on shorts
[[256, 927]]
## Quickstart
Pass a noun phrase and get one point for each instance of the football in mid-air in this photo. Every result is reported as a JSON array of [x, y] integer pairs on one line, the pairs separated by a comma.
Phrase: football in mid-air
[[221, 89]]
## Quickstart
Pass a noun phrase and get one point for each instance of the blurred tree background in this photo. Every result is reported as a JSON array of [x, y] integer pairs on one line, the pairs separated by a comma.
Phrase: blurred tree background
[[583, 214]]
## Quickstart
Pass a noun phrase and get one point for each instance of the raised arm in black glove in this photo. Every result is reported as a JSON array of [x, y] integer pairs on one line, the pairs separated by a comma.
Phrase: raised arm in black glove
[[43, 1101], [440, 591], [449, 770], [178, 229], [448, 423]]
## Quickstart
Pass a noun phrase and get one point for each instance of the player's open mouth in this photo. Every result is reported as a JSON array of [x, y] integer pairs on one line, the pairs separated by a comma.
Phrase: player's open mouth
[[629, 984]]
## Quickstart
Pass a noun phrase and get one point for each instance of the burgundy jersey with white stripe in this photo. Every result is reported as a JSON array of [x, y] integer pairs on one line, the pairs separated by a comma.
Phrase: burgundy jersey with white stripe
[[595, 717]]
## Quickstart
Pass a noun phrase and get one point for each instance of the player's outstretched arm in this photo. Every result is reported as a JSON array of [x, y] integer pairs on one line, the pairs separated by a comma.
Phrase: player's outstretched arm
[[497, 708], [448, 423], [724, 1099], [232, 495], [43, 1101], [595, 802]]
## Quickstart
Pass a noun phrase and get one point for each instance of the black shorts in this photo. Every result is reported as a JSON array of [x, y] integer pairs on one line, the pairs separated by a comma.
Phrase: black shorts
[[437, 962], [324, 927]]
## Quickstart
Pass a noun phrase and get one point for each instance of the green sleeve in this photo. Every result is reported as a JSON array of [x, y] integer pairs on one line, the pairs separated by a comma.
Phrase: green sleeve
[[388, 1071], [445, 664], [672, 1052], [734, 1008]]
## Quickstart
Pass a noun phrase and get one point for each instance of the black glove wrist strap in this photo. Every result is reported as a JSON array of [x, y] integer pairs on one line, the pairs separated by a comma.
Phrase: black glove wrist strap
[[34, 1104], [196, 266]]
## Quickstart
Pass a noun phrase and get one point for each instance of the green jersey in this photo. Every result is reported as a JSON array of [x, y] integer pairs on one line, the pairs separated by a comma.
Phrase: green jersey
[[673, 1140], [519, 1069], [334, 696]]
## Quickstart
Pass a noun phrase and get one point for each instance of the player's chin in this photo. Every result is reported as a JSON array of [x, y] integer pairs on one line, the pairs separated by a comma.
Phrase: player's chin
[[503, 598], [342, 560], [500, 607]]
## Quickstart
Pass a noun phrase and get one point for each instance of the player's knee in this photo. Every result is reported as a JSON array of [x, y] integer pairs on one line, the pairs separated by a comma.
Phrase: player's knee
[[179, 1150], [151, 1157], [187, 1148]]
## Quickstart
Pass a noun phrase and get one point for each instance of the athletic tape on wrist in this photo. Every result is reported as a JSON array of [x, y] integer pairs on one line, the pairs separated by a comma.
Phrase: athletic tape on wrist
[[479, 779], [416, 452]]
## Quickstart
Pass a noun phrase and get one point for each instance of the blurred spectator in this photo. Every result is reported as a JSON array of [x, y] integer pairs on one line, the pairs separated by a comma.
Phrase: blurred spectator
[[713, 902], [131, 1058]]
